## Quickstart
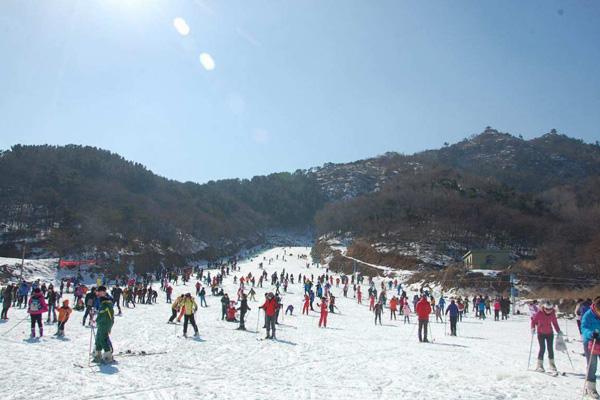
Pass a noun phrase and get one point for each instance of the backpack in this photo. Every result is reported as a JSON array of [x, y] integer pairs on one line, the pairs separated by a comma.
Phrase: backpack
[[35, 304]]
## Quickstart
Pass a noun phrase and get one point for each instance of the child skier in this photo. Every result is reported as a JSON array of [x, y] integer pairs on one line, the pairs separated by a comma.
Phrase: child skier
[[406, 312], [63, 316]]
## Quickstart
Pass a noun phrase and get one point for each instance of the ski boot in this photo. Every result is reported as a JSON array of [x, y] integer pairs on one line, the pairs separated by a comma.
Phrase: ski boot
[[97, 356], [108, 357], [590, 390], [540, 366], [552, 368]]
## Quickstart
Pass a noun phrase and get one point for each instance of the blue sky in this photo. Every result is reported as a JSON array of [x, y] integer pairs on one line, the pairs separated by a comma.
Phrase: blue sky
[[296, 83]]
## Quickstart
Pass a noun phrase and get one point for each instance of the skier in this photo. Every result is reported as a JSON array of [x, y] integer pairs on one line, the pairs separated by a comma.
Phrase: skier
[[190, 307], [393, 307], [270, 308], [104, 323], [423, 309], [202, 295], [175, 308], [224, 305], [453, 311], [442, 304], [306, 303], [438, 313], [481, 309], [116, 295], [51, 300], [590, 330], [323, 318], [7, 298], [545, 320], [37, 306], [243, 310], [90, 299], [378, 309], [358, 295], [406, 312], [63, 316]]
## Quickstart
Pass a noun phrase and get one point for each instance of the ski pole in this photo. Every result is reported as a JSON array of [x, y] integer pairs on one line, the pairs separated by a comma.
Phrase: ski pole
[[570, 361], [587, 370], [530, 350], [430, 330], [17, 324], [90, 348], [257, 319]]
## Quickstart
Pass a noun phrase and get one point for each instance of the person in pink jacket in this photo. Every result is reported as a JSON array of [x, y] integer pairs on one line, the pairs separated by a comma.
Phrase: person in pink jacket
[[497, 309], [545, 322], [36, 307]]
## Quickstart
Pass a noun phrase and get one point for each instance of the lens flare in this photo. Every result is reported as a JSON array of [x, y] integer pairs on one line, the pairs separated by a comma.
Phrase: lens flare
[[207, 61], [181, 26]]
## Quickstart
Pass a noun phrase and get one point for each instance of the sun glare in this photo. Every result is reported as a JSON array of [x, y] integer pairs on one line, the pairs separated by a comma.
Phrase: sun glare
[[181, 26], [207, 61]]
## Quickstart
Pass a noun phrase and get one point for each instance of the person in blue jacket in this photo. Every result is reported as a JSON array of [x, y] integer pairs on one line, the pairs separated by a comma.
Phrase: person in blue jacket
[[481, 308], [453, 311], [23, 293], [442, 303], [590, 331]]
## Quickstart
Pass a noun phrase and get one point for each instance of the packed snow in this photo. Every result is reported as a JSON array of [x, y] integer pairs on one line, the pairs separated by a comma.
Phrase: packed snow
[[350, 359]]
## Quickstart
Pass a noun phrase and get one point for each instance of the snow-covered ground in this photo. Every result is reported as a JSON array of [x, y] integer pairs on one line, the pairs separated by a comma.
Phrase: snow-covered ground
[[351, 359]]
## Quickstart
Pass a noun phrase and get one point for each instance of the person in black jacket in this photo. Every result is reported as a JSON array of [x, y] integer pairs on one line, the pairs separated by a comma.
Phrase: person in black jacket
[[90, 299], [51, 299], [116, 293], [243, 310], [224, 305], [7, 298]]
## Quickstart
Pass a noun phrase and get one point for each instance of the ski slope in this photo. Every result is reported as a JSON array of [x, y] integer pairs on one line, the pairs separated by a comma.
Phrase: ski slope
[[351, 359]]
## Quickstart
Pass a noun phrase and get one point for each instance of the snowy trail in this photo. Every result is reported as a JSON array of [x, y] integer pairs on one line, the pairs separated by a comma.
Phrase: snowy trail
[[352, 358]]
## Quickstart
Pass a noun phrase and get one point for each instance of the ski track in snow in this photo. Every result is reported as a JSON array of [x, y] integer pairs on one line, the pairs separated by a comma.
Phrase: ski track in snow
[[352, 358]]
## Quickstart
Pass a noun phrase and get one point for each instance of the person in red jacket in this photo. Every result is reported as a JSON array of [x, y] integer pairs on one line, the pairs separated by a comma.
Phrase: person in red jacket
[[371, 303], [37, 306], [270, 307], [359, 295], [393, 307], [323, 319], [423, 310], [544, 320], [306, 304]]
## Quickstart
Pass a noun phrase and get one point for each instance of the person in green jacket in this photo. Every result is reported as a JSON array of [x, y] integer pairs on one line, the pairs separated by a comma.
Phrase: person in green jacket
[[104, 322]]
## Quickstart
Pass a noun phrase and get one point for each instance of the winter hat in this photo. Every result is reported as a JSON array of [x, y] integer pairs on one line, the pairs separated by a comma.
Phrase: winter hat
[[547, 306], [37, 290], [65, 302]]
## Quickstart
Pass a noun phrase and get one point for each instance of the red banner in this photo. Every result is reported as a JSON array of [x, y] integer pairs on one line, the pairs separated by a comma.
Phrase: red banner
[[67, 263]]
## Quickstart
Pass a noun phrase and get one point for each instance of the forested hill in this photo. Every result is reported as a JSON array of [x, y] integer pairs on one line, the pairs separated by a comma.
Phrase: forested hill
[[491, 189], [77, 198]]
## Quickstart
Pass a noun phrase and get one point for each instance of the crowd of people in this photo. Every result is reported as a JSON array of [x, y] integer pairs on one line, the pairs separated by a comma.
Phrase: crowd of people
[[98, 305]]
